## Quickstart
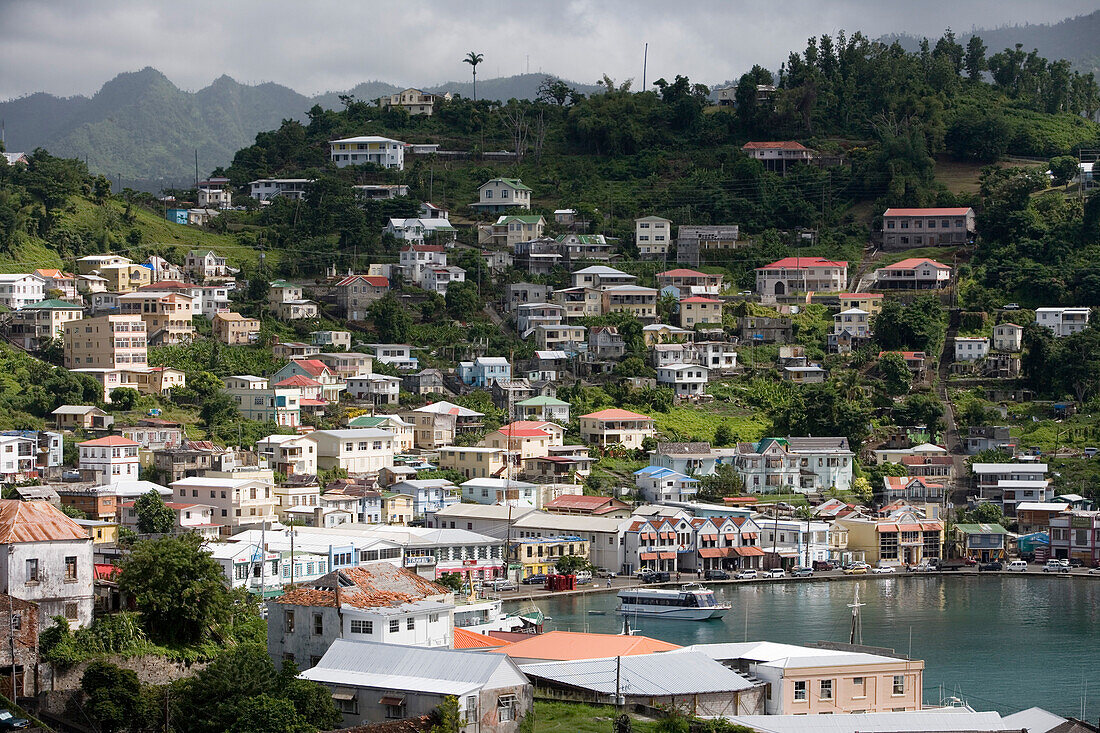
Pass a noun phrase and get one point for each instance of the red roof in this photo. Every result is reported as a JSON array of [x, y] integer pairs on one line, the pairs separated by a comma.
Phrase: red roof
[[861, 296], [423, 248], [298, 380], [699, 299], [683, 272], [466, 639], [514, 432], [316, 367], [949, 211], [802, 263], [616, 414], [531, 425], [907, 355], [377, 281], [109, 442], [567, 645], [306, 402], [783, 145], [587, 503], [910, 263], [104, 571], [167, 285]]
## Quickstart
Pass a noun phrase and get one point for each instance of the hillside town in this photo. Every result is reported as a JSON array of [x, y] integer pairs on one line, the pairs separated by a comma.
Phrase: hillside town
[[379, 430]]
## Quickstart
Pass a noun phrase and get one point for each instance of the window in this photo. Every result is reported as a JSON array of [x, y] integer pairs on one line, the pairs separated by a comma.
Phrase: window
[[860, 688], [800, 690], [359, 626], [32, 570], [410, 624], [70, 568], [506, 708], [318, 624], [288, 621], [71, 612], [826, 690], [395, 626], [899, 684], [347, 704]]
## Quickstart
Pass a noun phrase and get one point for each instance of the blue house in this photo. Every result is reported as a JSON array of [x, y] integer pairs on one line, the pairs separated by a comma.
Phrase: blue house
[[657, 485], [484, 370], [176, 216], [429, 495]]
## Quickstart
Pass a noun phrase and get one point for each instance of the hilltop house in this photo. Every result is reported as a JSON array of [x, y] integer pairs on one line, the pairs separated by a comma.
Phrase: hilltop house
[[800, 275], [777, 156], [652, 234], [414, 101], [502, 194], [511, 230], [914, 273], [935, 227], [381, 151]]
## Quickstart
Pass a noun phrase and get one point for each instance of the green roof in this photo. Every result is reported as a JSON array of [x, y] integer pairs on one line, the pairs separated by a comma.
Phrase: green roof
[[981, 529], [584, 238], [281, 284], [52, 303], [200, 252], [367, 421], [542, 401], [525, 218], [765, 442], [514, 182]]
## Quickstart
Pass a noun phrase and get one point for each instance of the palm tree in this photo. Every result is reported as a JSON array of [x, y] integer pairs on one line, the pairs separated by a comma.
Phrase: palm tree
[[473, 59]]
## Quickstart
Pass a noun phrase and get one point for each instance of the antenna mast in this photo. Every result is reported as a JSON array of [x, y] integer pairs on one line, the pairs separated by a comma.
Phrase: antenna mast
[[856, 636]]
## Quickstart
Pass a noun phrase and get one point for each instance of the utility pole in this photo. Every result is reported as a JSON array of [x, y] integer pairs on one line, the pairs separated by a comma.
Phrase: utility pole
[[645, 63]]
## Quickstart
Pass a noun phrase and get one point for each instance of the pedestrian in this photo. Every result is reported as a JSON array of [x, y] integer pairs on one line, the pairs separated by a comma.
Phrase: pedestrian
[[609, 582], [677, 576]]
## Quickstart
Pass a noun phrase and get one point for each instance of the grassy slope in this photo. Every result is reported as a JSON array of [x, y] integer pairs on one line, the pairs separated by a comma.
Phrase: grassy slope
[[563, 717]]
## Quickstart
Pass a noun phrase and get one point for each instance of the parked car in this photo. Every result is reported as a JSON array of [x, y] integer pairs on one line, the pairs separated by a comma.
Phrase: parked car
[[1091, 452], [8, 721], [1011, 306], [583, 577], [538, 579], [994, 565], [857, 568], [922, 568], [748, 574], [1017, 566], [802, 573], [1095, 570], [823, 565], [605, 573], [654, 576], [716, 575], [776, 573], [882, 569], [502, 584], [1055, 566], [1075, 562]]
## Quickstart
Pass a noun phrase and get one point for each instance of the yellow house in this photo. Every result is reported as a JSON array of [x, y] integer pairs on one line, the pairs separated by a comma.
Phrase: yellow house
[[870, 302], [397, 508], [125, 278], [233, 329], [475, 462], [698, 310], [633, 299], [539, 555], [526, 442], [616, 427], [905, 538], [101, 532], [662, 333]]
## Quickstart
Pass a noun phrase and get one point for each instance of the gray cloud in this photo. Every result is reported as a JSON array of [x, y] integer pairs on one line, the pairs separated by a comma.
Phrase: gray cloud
[[73, 46]]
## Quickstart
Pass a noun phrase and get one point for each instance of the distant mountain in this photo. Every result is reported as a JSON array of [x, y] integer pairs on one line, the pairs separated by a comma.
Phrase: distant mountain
[[1075, 39], [142, 127]]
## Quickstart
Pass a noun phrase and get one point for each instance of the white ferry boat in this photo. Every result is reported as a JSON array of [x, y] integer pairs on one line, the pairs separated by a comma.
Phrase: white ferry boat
[[690, 603]]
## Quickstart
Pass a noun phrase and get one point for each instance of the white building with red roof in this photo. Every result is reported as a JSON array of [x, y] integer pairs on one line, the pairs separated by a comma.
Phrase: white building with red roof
[[197, 518], [801, 275], [913, 273], [526, 439], [614, 426], [778, 155], [905, 228], [332, 384], [58, 280], [355, 293], [48, 560], [690, 282], [110, 460]]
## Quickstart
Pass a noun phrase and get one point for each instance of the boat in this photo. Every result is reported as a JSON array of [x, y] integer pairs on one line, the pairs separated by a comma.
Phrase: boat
[[692, 602]]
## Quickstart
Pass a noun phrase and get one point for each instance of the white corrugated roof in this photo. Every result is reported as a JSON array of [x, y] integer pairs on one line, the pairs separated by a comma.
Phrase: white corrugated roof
[[925, 721], [682, 673], [1034, 720]]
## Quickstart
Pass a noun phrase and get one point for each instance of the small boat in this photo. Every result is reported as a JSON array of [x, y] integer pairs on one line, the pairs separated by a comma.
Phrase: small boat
[[597, 613], [692, 602]]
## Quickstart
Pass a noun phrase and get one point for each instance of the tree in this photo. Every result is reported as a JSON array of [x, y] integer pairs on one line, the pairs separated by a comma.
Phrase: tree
[[896, 377], [862, 489], [124, 398], [725, 481], [974, 61], [1063, 169], [153, 515], [178, 587], [391, 320], [445, 717], [312, 700], [473, 59], [570, 564], [113, 695], [556, 91], [723, 435], [219, 410], [451, 580], [463, 301], [205, 384], [267, 714], [71, 511]]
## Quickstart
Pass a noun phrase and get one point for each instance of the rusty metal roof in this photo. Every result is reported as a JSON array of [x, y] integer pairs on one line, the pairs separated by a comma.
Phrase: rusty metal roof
[[36, 521], [366, 586]]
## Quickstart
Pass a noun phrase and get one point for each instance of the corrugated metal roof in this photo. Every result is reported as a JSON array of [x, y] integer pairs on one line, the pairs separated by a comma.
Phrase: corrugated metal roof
[[682, 673], [926, 721], [36, 521], [415, 669]]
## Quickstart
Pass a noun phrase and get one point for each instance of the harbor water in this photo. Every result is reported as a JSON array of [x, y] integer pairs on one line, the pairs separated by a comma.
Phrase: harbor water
[[998, 642]]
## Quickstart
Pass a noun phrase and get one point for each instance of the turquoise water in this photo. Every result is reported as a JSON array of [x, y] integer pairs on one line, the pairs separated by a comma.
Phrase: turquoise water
[[1000, 642]]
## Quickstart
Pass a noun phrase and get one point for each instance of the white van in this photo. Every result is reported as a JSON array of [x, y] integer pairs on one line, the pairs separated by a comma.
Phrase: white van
[[1017, 566]]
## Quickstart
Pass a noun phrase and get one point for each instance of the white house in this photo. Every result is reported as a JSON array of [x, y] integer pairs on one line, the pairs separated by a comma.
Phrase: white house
[[499, 491], [971, 348], [659, 485], [1062, 321], [364, 450], [914, 273], [289, 454], [652, 234], [21, 289], [266, 189], [1008, 337], [502, 194], [381, 151], [801, 275], [378, 389], [398, 356], [688, 381], [111, 459]]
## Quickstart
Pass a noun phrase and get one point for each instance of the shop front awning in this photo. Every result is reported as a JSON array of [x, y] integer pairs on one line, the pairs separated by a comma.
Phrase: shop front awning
[[752, 551], [668, 555], [648, 556]]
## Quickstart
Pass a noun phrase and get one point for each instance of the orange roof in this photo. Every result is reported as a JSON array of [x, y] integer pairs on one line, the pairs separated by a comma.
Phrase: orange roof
[[783, 145], [683, 272], [616, 414], [36, 521], [861, 296], [699, 299], [316, 367], [569, 645], [52, 273], [110, 441], [950, 211], [529, 424], [909, 264], [589, 503], [798, 263], [514, 431], [464, 639]]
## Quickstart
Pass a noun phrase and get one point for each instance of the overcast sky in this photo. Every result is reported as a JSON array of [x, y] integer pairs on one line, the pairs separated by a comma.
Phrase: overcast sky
[[73, 46]]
